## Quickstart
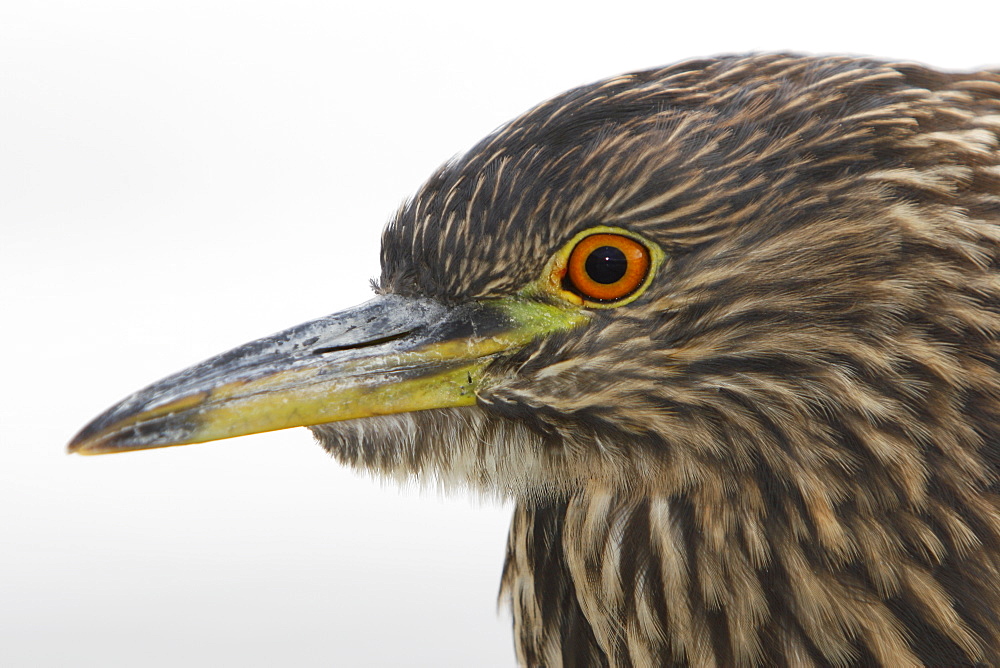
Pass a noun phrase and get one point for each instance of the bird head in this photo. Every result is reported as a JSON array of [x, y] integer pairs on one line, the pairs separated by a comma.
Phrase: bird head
[[728, 277]]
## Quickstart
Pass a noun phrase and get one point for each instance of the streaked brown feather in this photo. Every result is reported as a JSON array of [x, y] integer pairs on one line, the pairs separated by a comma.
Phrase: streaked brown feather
[[786, 453]]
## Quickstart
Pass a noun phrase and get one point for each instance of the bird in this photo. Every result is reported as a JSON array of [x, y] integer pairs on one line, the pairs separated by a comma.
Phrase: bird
[[726, 332]]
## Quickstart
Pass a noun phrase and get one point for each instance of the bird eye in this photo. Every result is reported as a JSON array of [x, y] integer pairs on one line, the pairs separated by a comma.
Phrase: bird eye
[[607, 267]]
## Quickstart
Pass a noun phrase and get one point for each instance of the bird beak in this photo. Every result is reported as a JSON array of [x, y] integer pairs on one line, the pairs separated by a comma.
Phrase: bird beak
[[392, 354]]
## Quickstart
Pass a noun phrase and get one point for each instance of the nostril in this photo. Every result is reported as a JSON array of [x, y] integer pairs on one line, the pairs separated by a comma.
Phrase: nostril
[[364, 344]]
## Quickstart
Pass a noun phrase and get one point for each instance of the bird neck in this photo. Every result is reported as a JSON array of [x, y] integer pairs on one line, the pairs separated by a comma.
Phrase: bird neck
[[606, 578]]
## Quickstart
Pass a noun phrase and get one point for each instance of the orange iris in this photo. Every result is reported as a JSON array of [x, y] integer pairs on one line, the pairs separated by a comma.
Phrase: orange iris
[[607, 267]]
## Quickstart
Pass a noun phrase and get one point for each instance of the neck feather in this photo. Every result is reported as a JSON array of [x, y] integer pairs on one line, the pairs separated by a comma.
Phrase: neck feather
[[601, 578]]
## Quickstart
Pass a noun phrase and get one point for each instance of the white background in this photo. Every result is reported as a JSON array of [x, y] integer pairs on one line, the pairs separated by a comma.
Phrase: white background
[[177, 178]]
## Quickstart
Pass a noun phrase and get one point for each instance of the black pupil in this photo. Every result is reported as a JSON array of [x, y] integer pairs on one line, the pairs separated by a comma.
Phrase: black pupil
[[606, 264]]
